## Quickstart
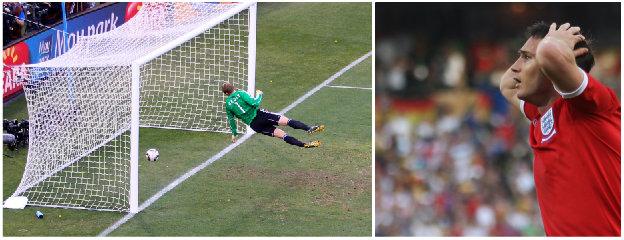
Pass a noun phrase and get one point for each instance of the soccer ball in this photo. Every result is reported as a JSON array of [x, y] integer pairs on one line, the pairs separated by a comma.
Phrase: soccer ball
[[152, 155]]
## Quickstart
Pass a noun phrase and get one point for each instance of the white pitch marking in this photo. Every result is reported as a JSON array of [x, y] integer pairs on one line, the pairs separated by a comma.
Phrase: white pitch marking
[[226, 150], [337, 86]]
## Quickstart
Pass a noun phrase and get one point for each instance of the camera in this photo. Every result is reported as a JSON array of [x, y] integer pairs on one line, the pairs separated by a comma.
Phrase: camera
[[15, 133]]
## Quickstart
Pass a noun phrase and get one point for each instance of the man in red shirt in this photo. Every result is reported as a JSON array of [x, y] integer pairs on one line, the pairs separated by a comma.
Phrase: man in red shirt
[[574, 132]]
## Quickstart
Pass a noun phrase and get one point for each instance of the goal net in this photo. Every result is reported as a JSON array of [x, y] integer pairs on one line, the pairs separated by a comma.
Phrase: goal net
[[162, 69]]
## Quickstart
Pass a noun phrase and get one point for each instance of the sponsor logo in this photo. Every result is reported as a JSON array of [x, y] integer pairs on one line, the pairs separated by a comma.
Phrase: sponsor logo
[[64, 43], [45, 46], [15, 55], [132, 9]]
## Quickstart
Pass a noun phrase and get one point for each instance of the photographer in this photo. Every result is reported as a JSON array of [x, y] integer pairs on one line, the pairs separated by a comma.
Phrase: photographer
[[15, 133]]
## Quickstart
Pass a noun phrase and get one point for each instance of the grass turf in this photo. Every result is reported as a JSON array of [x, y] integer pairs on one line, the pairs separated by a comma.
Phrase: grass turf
[[265, 186]]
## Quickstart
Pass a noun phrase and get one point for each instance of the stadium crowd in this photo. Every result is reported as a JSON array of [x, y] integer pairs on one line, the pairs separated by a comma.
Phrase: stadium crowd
[[452, 157], [24, 18]]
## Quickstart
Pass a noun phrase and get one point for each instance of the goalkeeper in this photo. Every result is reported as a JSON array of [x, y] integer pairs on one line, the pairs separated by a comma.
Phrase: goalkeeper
[[242, 106]]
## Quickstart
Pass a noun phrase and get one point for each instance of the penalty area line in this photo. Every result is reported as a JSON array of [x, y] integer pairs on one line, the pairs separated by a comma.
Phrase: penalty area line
[[349, 87], [226, 150], [326, 82]]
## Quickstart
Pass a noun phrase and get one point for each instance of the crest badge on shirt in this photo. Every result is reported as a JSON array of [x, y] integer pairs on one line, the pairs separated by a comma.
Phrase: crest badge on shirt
[[547, 124]]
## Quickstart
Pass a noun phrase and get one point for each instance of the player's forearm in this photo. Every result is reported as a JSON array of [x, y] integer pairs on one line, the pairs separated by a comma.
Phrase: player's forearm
[[233, 130], [258, 100], [507, 83], [508, 88], [250, 100], [232, 123], [556, 60]]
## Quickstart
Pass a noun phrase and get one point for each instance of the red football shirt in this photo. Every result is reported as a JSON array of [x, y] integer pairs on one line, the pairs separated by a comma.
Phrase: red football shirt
[[576, 144]]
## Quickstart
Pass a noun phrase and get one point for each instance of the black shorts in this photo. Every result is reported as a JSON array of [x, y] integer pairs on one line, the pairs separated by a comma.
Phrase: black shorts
[[265, 122]]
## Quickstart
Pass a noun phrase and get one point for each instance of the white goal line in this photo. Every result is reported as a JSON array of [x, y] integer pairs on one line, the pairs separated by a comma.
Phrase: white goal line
[[226, 150]]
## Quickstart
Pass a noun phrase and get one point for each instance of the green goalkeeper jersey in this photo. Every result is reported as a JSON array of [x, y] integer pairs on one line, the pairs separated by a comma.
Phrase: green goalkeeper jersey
[[242, 106]]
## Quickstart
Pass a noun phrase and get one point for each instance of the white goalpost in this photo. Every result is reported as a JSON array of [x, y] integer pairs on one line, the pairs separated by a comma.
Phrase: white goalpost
[[161, 69]]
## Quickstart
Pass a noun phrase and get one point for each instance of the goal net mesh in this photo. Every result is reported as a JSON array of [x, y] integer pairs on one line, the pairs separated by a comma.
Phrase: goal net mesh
[[79, 104]]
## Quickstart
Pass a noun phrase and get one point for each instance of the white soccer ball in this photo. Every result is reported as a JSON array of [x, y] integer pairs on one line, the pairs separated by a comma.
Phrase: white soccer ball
[[152, 155]]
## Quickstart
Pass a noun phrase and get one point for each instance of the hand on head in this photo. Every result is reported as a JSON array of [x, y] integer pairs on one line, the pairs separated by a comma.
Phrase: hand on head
[[569, 35]]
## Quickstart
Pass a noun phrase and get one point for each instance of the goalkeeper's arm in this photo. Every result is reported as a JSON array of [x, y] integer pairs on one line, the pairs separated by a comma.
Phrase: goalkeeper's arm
[[253, 101], [232, 122]]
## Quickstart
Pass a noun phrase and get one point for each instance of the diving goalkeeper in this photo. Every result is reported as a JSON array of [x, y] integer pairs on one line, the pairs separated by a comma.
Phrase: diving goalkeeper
[[239, 104]]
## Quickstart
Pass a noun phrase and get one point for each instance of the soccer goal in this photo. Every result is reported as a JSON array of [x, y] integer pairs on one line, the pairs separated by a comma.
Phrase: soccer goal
[[161, 69]]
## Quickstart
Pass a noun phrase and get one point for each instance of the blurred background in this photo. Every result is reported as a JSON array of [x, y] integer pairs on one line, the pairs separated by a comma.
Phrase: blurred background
[[452, 157], [22, 19]]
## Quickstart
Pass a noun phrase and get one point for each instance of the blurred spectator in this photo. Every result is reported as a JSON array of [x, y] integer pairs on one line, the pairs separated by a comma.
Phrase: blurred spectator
[[51, 13], [74, 8], [452, 157], [13, 21], [25, 18]]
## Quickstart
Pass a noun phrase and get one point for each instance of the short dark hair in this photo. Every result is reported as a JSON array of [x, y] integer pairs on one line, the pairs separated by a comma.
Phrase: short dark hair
[[585, 62], [227, 88]]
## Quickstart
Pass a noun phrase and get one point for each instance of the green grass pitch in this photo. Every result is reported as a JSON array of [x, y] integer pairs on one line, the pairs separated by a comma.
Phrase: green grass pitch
[[264, 187]]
